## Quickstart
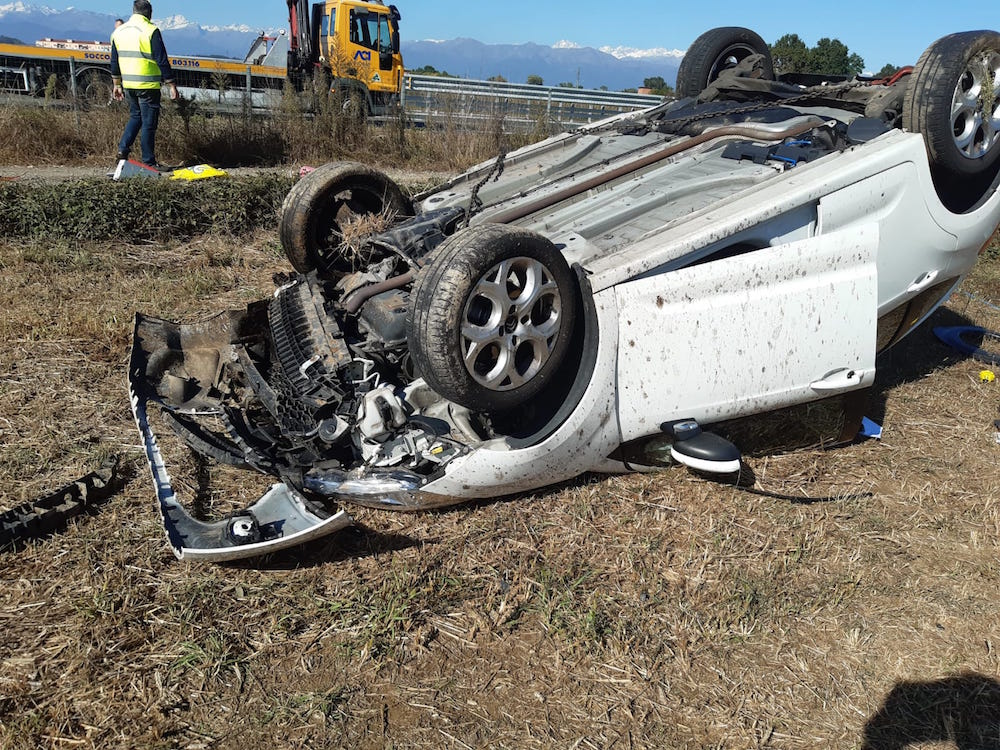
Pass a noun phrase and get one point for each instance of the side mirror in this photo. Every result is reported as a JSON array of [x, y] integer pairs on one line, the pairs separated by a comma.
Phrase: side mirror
[[394, 41]]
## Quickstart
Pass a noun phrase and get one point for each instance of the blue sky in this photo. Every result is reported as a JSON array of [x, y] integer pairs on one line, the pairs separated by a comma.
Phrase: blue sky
[[879, 32]]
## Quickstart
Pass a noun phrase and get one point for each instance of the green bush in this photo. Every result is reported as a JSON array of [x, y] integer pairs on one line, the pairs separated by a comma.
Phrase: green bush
[[141, 210]]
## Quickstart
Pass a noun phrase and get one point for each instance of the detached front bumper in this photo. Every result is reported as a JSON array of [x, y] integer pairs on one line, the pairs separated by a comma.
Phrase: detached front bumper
[[280, 519], [200, 372]]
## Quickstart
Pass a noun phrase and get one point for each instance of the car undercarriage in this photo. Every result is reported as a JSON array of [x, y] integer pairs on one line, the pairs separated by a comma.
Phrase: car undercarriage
[[510, 328]]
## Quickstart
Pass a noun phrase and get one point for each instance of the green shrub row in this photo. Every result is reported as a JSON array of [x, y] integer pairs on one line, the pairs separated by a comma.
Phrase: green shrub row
[[140, 210]]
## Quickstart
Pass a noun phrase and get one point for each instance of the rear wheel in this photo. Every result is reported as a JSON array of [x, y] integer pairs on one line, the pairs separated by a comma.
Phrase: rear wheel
[[330, 204], [491, 317], [953, 100], [715, 51]]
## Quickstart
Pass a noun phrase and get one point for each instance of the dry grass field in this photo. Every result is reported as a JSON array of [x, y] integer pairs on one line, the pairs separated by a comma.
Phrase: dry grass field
[[296, 133], [849, 600]]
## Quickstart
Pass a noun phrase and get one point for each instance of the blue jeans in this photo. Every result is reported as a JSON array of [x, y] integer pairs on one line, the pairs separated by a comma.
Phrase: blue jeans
[[144, 116]]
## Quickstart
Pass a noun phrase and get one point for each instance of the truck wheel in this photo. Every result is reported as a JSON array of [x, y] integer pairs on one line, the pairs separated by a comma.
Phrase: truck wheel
[[354, 105], [953, 100], [491, 316], [94, 88], [324, 204], [715, 51]]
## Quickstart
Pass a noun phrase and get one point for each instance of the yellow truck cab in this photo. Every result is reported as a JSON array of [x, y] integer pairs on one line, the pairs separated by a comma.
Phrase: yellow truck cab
[[356, 42]]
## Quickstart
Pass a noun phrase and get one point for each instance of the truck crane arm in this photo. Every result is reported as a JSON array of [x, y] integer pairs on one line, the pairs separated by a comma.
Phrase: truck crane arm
[[303, 47]]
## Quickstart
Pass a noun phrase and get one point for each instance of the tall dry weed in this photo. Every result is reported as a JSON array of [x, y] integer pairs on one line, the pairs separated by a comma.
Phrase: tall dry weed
[[312, 126], [44, 135]]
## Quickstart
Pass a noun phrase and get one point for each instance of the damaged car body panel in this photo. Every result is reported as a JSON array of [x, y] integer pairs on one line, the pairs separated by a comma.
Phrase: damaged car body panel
[[186, 361], [587, 303], [812, 303]]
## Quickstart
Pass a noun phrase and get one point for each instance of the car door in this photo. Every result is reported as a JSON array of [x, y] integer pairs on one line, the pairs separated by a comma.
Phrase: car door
[[745, 334]]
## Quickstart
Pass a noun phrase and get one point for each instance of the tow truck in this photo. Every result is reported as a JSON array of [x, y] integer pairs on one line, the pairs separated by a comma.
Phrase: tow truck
[[356, 43]]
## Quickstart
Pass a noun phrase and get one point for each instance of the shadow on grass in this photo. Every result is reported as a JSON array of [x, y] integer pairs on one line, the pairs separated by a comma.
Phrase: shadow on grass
[[746, 481], [964, 710], [913, 358], [359, 541], [352, 543]]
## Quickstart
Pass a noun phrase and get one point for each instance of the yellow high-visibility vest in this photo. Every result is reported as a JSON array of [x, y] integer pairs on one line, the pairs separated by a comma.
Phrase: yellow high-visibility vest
[[133, 40]]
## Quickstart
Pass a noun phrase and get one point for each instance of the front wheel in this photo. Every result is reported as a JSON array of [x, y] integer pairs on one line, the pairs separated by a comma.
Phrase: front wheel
[[330, 204], [953, 100], [491, 317]]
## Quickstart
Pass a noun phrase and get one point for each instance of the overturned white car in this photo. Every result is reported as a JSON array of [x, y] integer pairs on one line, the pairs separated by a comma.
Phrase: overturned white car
[[655, 287]]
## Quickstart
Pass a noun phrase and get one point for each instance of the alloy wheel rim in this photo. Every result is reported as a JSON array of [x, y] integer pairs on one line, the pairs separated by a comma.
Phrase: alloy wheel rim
[[975, 110], [510, 323]]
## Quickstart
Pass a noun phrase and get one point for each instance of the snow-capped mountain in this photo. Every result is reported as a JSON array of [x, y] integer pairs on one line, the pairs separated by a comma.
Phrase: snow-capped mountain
[[29, 22], [631, 53], [564, 62]]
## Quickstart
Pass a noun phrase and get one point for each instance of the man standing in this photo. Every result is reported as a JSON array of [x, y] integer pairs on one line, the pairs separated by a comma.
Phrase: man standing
[[139, 64]]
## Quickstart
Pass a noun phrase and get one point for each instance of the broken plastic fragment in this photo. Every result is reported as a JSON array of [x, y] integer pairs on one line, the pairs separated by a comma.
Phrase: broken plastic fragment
[[869, 429]]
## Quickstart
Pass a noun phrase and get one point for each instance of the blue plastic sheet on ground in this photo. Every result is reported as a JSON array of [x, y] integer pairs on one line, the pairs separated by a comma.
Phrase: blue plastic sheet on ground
[[869, 429]]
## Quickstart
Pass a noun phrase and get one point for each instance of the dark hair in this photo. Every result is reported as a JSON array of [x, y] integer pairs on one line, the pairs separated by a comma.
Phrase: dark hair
[[143, 8]]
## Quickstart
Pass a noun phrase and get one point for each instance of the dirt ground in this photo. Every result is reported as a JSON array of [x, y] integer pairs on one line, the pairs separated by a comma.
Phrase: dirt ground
[[847, 599]]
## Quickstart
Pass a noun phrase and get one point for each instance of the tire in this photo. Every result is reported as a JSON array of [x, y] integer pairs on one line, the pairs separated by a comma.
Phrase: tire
[[952, 99], [717, 50], [523, 334], [354, 105], [94, 88], [321, 204]]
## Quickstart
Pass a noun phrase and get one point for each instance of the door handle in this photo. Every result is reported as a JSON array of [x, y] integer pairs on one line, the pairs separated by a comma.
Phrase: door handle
[[839, 380], [923, 281]]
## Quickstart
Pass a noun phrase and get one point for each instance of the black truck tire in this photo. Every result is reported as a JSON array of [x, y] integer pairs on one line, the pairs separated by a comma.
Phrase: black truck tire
[[491, 317]]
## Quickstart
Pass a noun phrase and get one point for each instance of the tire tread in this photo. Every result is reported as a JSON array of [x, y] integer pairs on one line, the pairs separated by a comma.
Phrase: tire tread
[[307, 196], [438, 301], [928, 99]]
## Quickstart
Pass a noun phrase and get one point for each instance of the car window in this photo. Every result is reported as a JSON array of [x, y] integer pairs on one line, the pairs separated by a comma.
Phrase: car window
[[329, 22]]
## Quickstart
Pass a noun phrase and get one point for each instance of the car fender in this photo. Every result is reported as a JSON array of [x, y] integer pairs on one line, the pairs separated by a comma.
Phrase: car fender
[[581, 443]]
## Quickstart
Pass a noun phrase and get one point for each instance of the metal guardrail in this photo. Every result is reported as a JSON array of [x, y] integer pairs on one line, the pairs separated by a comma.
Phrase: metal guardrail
[[436, 99], [427, 100]]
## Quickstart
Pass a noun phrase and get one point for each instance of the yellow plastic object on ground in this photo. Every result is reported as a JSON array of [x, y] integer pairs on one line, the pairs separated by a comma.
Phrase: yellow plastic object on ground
[[199, 172], [986, 376]]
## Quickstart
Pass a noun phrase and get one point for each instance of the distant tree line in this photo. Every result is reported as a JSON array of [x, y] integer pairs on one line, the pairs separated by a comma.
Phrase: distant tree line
[[829, 56], [658, 86], [430, 70]]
